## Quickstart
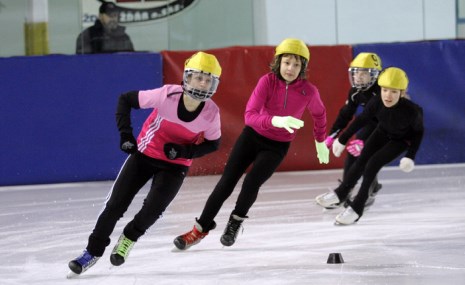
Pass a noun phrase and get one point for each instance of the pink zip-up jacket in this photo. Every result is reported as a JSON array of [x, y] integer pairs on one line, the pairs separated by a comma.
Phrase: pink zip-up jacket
[[163, 125], [274, 97]]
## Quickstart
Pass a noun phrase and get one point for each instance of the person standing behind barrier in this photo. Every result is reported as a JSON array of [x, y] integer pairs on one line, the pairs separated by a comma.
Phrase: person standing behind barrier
[[272, 115], [363, 76], [183, 125], [105, 36], [399, 129]]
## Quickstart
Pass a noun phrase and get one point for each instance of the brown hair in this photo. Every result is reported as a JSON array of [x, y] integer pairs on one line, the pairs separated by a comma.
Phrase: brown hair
[[275, 65]]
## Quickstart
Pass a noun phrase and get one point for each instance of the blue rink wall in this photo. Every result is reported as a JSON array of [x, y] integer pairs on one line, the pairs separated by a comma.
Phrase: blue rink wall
[[436, 71], [58, 122], [58, 114]]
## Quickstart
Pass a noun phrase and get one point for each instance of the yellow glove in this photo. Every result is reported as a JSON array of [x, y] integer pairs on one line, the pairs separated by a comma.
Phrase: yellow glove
[[289, 123], [322, 152]]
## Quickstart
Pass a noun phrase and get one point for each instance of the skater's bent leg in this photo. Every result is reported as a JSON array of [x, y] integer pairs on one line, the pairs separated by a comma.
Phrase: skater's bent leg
[[348, 162], [240, 158], [376, 141], [382, 157], [263, 168], [165, 187], [126, 186]]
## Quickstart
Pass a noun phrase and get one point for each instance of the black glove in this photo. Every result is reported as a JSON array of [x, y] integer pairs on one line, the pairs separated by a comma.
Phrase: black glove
[[173, 151], [128, 143]]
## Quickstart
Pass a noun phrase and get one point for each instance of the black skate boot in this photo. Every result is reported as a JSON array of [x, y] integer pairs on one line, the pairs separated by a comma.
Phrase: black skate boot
[[192, 237], [232, 230], [374, 188], [81, 263], [121, 250]]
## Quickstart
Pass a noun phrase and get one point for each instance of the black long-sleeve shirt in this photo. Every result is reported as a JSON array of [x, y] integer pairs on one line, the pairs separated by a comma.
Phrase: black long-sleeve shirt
[[355, 99], [403, 121]]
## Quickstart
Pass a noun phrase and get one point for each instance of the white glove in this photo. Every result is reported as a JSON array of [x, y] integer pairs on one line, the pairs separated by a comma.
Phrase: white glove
[[338, 148], [288, 122], [406, 164]]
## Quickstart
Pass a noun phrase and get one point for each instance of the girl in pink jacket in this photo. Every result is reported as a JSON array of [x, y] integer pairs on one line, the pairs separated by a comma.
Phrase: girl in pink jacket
[[272, 114]]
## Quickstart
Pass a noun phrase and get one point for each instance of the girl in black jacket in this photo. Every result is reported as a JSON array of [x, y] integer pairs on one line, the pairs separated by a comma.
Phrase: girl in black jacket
[[363, 76], [399, 129]]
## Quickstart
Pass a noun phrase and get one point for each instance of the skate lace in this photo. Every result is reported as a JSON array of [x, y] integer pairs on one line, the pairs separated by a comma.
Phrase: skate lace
[[346, 213], [86, 259], [349, 212], [233, 228], [193, 236], [124, 246]]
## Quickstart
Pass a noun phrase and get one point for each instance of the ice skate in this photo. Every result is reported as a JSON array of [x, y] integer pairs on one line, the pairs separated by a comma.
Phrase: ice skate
[[232, 230], [328, 200], [81, 263], [373, 191], [121, 250], [192, 237], [347, 217]]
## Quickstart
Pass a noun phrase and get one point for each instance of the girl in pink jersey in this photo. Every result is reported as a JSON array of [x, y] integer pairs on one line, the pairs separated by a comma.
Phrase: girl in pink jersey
[[272, 114], [183, 125]]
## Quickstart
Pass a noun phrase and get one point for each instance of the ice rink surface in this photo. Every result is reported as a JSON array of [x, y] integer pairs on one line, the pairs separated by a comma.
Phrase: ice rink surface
[[413, 234]]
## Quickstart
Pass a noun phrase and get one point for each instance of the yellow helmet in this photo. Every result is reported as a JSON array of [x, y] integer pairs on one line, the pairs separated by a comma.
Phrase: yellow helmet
[[204, 62], [393, 77], [201, 67], [364, 70], [293, 46], [367, 60]]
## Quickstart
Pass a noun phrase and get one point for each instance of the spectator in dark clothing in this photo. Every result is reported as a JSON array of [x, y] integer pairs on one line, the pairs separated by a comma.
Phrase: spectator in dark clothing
[[105, 36]]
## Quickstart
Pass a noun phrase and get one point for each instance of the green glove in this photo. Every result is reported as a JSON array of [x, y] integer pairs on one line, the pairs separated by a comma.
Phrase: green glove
[[288, 122], [322, 152]]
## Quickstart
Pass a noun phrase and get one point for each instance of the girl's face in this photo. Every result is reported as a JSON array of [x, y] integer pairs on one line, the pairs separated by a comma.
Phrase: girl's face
[[201, 81], [290, 67], [362, 77], [390, 96]]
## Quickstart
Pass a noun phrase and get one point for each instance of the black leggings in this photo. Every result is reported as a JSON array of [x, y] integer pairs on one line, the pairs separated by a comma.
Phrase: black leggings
[[363, 135], [264, 154], [378, 151], [135, 173]]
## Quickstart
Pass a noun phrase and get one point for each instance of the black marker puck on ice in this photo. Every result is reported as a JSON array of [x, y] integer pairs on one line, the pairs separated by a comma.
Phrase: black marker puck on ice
[[334, 258]]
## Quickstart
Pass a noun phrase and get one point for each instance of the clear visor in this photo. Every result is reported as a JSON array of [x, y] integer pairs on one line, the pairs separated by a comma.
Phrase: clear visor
[[363, 78], [200, 85]]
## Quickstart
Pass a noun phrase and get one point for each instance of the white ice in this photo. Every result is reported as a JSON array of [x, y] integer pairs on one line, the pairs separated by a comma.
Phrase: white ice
[[413, 234]]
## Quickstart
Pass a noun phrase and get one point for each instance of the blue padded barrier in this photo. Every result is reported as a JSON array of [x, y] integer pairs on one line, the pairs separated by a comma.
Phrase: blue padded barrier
[[436, 70], [58, 114]]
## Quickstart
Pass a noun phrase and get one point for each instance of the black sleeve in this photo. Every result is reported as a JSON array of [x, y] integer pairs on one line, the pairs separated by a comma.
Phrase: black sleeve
[[418, 130], [345, 115], [126, 101], [366, 117], [204, 148]]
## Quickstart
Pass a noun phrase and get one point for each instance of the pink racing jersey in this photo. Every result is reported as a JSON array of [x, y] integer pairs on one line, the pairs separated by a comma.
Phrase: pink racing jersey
[[163, 125], [274, 97]]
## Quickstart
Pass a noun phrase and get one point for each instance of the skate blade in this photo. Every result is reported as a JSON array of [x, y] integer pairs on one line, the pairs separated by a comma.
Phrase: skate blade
[[71, 275], [175, 249], [331, 208], [336, 223], [370, 203]]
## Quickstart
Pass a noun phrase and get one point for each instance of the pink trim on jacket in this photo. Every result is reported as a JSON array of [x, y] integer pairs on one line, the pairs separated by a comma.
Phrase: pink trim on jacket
[[163, 125]]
